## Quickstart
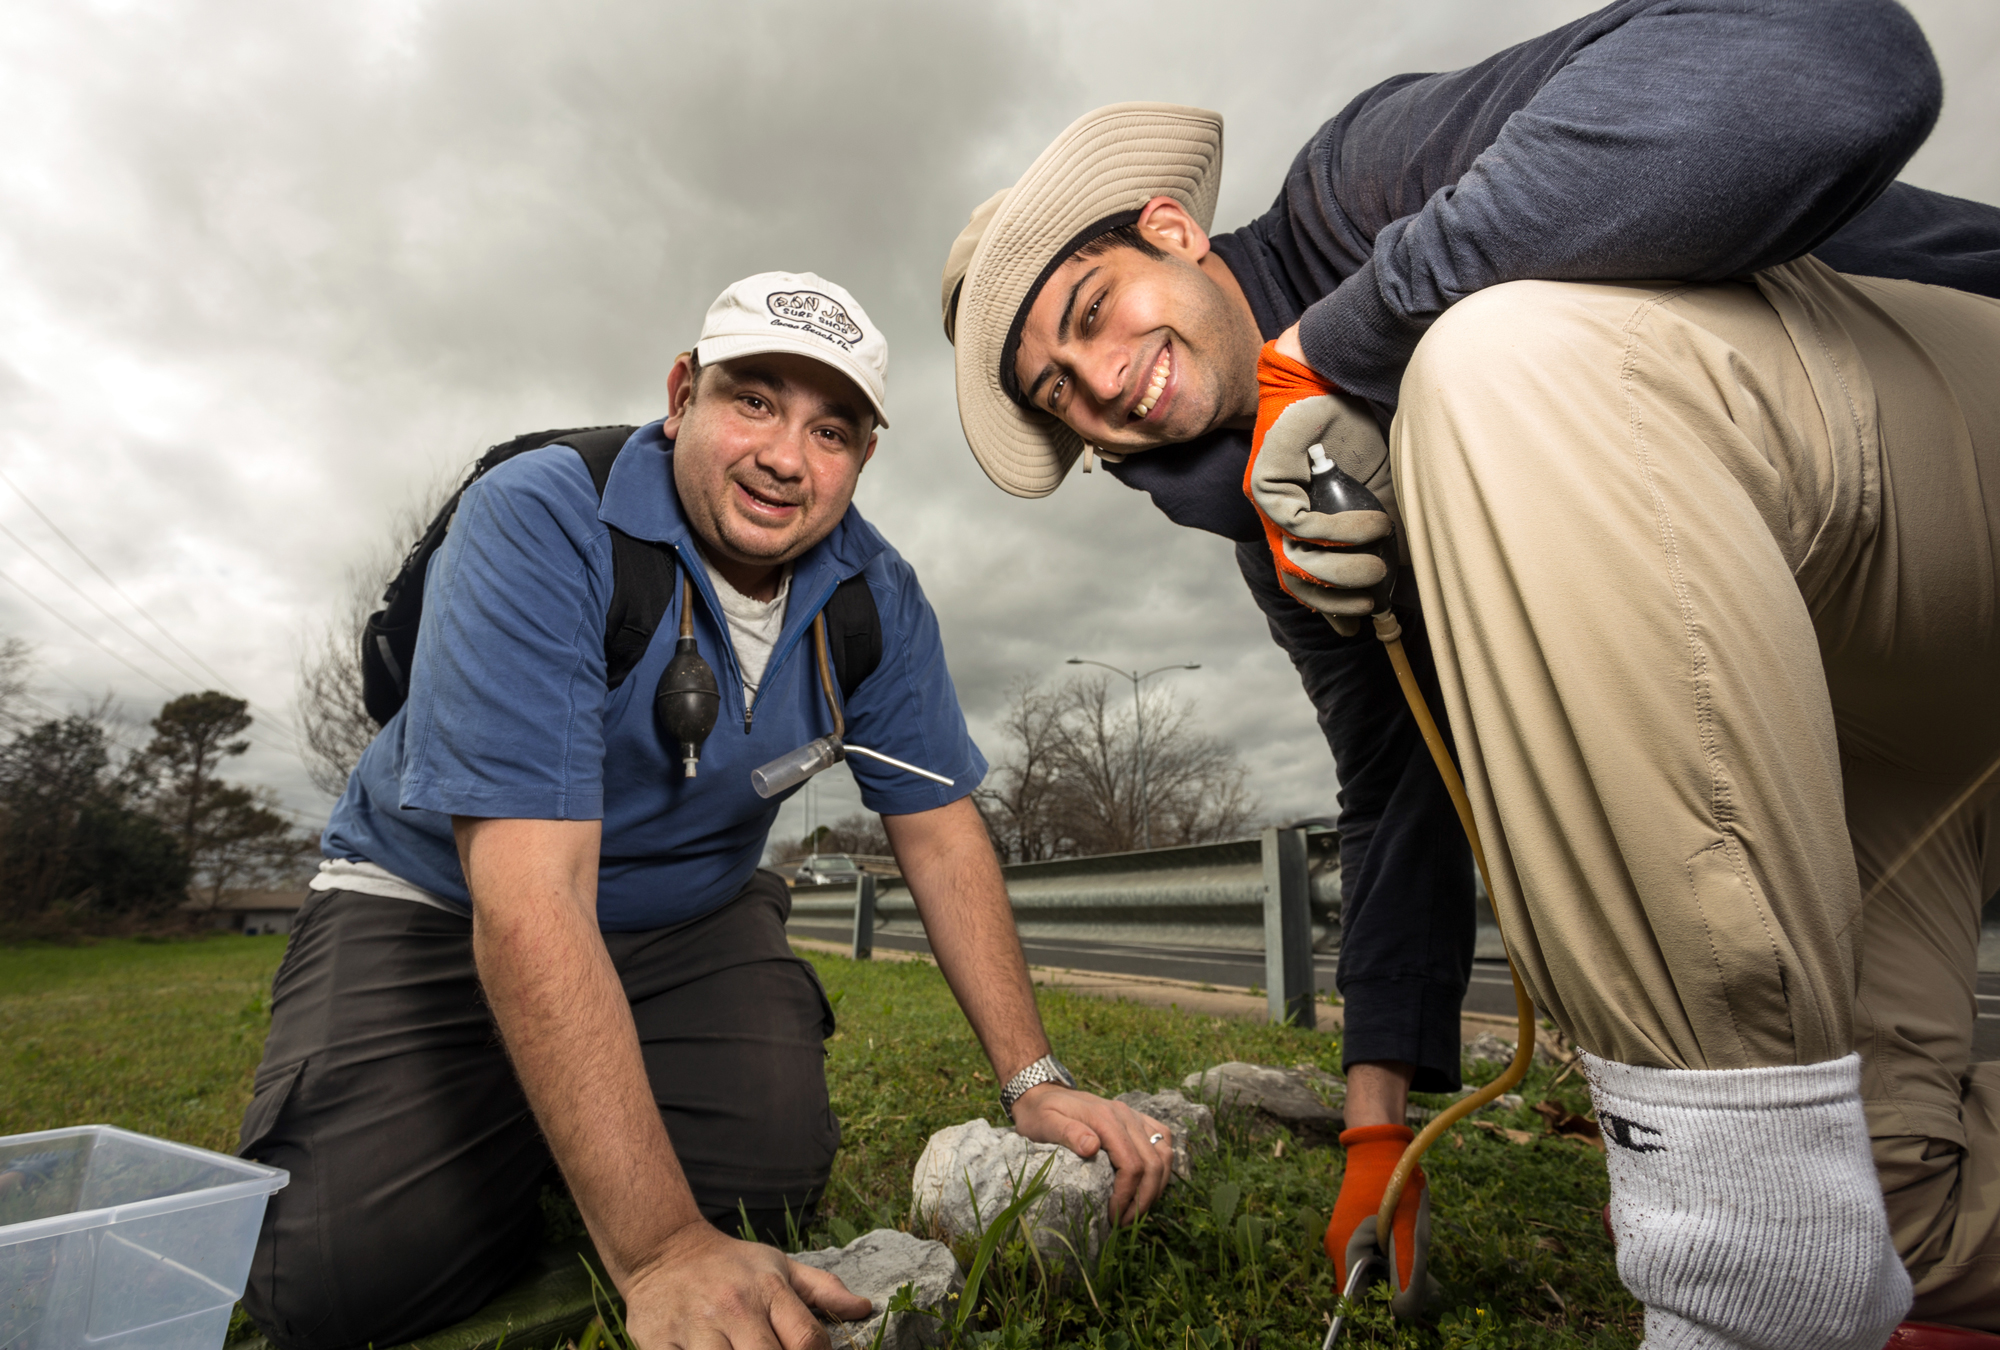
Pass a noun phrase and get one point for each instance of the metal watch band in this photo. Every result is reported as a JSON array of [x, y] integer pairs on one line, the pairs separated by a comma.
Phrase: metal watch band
[[1047, 1069]]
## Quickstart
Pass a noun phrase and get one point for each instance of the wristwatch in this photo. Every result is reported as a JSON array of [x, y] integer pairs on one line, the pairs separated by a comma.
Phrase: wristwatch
[[1047, 1069]]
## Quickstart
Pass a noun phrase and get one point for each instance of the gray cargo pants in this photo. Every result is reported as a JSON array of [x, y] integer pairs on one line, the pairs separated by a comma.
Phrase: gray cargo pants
[[416, 1164]]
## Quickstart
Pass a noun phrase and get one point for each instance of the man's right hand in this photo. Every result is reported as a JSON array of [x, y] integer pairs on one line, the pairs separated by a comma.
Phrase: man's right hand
[[707, 1291]]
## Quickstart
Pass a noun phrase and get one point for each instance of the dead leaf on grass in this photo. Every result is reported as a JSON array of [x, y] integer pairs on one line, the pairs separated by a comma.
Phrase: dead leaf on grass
[[1512, 1136], [1568, 1125]]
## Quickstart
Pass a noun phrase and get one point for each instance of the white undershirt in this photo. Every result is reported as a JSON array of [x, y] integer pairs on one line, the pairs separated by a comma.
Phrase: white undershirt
[[754, 627], [365, 878]]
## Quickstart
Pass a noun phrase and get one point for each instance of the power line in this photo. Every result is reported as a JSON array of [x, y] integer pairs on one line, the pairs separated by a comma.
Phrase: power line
[[91, 563], [116, 656], [89, 637], [170, 664], [164, 658], [123, 627]]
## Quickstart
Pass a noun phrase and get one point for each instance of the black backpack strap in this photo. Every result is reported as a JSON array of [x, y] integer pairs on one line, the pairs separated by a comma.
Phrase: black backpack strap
[[641, 589], [598, 447], [389, 638], [854, 632], [642, 572]]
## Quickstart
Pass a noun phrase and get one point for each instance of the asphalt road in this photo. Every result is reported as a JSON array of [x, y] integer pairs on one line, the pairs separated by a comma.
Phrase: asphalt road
[[1491, 991]]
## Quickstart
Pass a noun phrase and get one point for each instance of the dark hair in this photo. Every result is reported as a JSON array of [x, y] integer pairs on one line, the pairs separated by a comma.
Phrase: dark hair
[[1126, 234]]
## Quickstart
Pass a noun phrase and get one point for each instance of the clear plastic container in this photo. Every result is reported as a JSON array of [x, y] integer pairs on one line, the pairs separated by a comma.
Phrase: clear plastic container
[[112, 1239]]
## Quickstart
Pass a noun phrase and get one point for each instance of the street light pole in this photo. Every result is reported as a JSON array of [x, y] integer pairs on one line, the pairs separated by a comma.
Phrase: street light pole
[[1138, 733]]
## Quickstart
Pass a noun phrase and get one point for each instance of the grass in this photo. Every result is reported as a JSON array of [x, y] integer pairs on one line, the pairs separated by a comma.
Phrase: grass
[[158, 1037], [1233, 1257], [163, 1038]]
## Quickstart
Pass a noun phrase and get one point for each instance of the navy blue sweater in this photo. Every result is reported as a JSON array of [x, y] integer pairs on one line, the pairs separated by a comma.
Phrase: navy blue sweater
[[1674, 139]]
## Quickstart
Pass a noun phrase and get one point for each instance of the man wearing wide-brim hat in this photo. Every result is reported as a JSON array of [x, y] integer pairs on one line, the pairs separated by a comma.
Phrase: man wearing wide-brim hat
[[1682, 415]]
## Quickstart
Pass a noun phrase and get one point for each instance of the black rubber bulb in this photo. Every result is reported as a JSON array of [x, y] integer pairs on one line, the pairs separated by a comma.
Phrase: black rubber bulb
[[1333, 491], [687, 702]]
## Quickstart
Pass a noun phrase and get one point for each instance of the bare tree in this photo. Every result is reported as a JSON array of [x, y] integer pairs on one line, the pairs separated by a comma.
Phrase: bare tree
[[1069, 785], [333, 721], [16, 656], [1021, 798], [860, 833]]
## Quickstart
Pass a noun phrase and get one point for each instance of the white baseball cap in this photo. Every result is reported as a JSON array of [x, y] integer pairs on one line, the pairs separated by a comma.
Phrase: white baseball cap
[[802, 313]]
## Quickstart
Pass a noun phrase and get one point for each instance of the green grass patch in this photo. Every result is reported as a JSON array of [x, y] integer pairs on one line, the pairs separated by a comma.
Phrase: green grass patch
[[1232, 1258], [157, 1037], [163, 1038]]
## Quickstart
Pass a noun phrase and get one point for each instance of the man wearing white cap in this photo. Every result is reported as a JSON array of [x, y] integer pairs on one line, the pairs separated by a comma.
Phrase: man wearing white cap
[[540, 935], [1692, 453]]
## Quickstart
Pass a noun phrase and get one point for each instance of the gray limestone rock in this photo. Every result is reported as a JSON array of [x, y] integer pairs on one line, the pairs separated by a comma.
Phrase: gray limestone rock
[[969, 1173], [1490, 1048], [877, 1264], [1193, 1124], [1306, 1099]]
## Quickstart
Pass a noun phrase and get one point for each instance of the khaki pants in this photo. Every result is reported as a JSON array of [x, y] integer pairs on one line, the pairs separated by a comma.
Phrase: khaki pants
[[1711, 573]]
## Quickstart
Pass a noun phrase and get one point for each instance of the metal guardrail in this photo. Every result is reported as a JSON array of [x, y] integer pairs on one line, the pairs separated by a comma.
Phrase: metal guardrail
[[1237, 896], [1278, 894], [1208, 896]]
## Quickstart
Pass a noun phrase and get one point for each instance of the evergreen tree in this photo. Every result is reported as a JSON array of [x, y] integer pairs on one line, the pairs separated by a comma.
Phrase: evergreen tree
[[70, 837], [229, 834]]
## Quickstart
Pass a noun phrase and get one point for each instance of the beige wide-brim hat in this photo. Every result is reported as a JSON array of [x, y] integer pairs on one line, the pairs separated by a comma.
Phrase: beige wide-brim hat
[[1094, 177]]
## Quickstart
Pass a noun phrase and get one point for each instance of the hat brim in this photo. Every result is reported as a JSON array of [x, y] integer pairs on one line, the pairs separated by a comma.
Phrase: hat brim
[[1108, 162], [729, 348]]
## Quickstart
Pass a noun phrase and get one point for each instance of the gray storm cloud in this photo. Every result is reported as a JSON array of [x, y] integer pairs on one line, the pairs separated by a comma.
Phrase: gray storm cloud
[[275, 271]]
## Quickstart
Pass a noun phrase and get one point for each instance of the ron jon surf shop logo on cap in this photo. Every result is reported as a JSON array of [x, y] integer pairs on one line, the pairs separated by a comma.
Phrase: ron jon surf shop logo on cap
[[821, 315]]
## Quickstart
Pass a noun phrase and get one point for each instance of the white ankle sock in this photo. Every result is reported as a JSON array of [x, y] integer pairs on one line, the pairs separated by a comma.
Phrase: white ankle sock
[[1746, 1207]]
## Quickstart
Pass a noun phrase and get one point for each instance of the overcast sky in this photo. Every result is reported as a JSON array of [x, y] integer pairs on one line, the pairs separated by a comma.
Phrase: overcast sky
[[274, 271]]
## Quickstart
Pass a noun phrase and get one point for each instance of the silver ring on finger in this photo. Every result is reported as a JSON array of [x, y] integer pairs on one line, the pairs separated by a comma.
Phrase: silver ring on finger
[[1154, 1139]]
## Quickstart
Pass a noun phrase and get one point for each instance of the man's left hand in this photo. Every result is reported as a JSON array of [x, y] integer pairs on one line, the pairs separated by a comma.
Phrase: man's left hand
[[1083, 1123], [1338, 563]]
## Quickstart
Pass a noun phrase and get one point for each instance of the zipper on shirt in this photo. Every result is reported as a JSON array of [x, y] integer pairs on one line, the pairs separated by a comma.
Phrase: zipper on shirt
[[777, 655]]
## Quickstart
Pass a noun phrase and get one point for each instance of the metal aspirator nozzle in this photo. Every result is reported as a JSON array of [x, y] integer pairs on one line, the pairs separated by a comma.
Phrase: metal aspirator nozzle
[[788, 771], [687, 702]]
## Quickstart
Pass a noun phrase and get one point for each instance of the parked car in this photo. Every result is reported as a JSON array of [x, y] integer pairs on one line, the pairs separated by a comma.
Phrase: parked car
[[828, 869]]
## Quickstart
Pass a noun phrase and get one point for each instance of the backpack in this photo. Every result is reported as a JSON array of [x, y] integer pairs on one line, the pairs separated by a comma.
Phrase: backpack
[[643, 575]]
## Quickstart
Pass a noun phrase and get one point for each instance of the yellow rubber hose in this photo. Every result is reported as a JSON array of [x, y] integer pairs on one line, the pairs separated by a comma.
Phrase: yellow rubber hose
[[826, 676], [1391, 633]]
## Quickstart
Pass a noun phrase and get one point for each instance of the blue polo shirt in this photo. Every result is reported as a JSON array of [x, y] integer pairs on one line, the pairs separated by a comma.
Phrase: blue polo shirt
[[508, 715]]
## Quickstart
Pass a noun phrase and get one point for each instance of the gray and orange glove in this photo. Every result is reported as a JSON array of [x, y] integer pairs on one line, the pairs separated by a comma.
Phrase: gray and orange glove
[[1372, 1154], [1340, 564]]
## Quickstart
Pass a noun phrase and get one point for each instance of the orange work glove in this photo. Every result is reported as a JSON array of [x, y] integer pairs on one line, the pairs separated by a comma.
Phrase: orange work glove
[[1333, 563], [1372, 1154]]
